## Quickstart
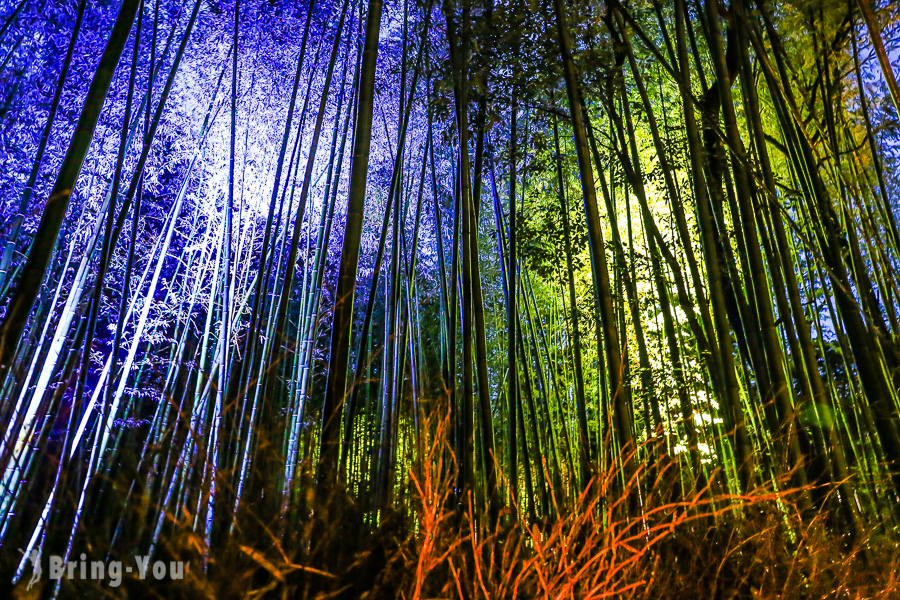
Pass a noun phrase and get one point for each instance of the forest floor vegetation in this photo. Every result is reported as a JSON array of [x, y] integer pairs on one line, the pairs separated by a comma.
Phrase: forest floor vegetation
[[430, 545]]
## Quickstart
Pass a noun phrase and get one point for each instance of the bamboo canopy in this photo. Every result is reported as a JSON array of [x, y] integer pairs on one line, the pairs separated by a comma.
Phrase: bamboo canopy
[[281, 273]]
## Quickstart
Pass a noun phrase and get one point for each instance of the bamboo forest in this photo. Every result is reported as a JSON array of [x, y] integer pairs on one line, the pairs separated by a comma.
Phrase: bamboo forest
[[464, 299]]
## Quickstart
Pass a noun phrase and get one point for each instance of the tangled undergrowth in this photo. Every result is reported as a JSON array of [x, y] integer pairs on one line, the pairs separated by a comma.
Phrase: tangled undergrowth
[[708, 546]]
